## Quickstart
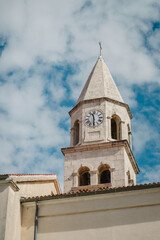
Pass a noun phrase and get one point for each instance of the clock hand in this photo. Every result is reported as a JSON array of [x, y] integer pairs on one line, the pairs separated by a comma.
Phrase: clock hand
[[93, 119]]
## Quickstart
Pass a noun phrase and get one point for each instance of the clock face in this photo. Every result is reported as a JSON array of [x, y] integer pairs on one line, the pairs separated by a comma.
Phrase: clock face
[[94, 118]]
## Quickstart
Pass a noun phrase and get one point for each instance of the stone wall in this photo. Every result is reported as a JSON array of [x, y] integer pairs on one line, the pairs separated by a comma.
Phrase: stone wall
[[114, 156]]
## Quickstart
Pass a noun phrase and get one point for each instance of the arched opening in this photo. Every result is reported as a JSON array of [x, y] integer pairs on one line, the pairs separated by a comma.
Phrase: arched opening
[[115, 127], [129, 135], [84, 176], [105, 177], [104, 174], [76, 133]]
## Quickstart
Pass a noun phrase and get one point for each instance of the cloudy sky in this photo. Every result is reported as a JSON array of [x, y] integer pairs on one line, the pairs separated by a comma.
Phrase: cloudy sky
[[47, 50]]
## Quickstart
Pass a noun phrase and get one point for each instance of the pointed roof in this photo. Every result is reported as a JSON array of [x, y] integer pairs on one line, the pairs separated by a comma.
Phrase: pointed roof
[[100, 84]]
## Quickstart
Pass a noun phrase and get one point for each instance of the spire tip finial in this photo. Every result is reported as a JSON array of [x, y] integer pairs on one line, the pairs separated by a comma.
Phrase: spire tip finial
[[100, 46]]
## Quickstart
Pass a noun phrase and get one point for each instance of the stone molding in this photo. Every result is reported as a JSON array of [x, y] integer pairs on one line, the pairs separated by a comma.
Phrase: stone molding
[[121, 143], [74, 174], [11, 183], [102, 99], [91, 186], [93, 172]]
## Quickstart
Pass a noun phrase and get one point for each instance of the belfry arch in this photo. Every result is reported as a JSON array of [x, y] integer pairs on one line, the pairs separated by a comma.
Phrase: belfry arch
[[104, 174], [76, 133], [116, 127], [84, 176]]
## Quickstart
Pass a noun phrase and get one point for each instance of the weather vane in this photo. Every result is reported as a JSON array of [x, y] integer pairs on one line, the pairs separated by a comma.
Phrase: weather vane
[[100, 46]]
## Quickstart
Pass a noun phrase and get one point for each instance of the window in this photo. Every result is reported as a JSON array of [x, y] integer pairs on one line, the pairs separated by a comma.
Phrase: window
[[104, 174], [115, 127], [76, 133], [105, 177], [129, 134], [84, 176]]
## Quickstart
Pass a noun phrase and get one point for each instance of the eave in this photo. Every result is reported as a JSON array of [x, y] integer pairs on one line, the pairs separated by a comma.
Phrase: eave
[[111, 144], [102, 99]]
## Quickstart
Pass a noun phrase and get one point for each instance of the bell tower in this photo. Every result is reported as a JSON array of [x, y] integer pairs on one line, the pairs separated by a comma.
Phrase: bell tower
[[100, 152]]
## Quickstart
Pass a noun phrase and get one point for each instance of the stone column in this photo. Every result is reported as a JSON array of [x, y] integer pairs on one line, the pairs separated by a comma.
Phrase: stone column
[[71, 136], [112, 176], [130, 138], [93, 177], [109, 128], [75, 179], [122, 130], [80, 132]]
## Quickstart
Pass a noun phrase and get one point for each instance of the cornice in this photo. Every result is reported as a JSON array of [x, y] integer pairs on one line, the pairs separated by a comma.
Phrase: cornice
[[136, 190], [11, 183], [121, 143], [102, 99]]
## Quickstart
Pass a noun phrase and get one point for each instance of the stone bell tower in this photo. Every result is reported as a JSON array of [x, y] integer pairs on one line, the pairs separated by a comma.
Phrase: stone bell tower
[[100, 154]]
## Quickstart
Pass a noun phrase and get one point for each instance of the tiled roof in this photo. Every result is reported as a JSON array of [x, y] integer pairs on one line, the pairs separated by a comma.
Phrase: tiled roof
[[30, 174], [26, 174], [98, 190]]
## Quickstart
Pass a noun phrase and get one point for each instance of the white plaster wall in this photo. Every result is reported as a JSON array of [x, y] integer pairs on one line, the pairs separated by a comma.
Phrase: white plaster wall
[[10, 209], [10, 225], [115, 216], [4, 189], [36, 188], [28, 221], [35, 185], [13, 223]]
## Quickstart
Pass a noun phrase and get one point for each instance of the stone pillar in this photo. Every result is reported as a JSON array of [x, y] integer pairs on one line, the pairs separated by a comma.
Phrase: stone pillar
[[71, 136], [112, 176], [75, 179], [80, 132], [109, 128], [93, 177], [130, 138], [122, 131]]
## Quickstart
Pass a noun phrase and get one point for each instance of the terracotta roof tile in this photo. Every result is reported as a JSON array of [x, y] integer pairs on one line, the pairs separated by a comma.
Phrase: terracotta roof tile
[[86, 191], [30, 174]]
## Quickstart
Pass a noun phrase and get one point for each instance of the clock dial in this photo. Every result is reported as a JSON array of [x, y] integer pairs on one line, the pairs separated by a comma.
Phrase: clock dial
[[94, 118]]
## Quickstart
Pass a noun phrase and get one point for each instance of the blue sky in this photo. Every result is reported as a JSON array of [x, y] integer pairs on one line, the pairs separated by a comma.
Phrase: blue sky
[[47, 50]]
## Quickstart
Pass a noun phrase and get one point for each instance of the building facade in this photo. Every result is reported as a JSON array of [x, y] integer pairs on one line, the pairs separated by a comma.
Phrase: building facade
[[13, 188]]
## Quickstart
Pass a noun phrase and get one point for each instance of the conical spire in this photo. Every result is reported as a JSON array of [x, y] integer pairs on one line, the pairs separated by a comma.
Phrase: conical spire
[[100, 84]]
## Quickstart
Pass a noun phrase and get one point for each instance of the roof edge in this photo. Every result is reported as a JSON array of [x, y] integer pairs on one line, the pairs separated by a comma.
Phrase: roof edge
[[103, 98], [95, 192], [111, 144], [11, 183]]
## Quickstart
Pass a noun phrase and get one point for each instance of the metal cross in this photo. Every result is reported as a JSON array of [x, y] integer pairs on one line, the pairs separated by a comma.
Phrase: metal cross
[[100, 46]]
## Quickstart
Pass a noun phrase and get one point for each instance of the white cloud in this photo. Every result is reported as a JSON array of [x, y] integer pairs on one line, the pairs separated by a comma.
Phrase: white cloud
[[150, 174], [29, 129], [128, 95], [41, 35], [41, 29], [143, 132]]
